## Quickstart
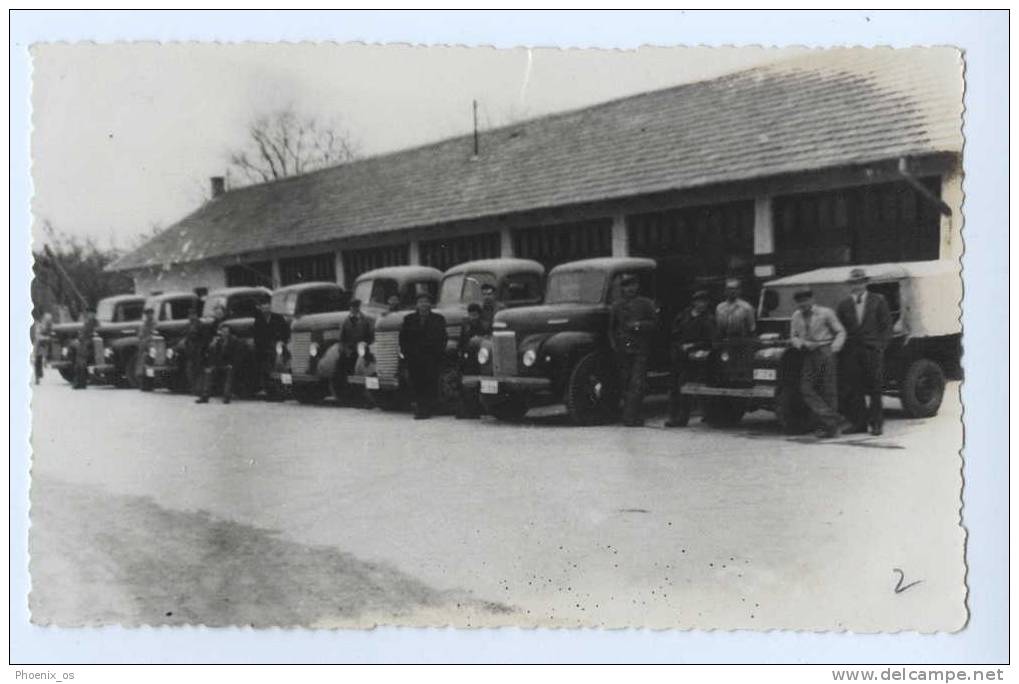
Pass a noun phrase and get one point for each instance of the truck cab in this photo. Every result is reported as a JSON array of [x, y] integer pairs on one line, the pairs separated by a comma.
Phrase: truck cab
[[164, 365], [925, 349], [310, 308], [118, 318], [559, 351], [313, 349], [517, 282]]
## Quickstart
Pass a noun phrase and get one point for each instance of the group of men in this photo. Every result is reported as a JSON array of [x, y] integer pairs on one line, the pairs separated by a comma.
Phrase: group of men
[[843, 350]]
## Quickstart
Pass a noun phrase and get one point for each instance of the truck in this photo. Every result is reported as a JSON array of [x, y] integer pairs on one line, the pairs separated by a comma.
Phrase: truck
[[313, 350], [924, 352], [162, 367], [558, 352], [517, 282], [118, 320]]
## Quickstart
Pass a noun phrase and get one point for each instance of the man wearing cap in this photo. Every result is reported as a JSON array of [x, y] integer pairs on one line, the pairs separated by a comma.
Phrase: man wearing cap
[[816, 331], [693, 327], [356, 329], [489, 306], [268, 329], [84, 351], [221, 358], [734, 317], [632, 323], [148, 328], [868, 323], [423, 344]]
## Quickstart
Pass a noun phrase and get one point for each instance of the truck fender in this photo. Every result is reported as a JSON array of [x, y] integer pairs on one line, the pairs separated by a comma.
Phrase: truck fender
[[568, 346], [327, 360]]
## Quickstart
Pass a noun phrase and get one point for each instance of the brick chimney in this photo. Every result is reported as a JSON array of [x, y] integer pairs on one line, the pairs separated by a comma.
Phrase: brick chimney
[[218, 184]]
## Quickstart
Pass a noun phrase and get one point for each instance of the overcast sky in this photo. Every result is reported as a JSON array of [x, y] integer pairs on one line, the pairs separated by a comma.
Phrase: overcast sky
[[126, 136]]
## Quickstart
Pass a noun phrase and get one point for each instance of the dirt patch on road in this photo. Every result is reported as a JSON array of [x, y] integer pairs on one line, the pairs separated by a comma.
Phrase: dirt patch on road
[[98, 558]]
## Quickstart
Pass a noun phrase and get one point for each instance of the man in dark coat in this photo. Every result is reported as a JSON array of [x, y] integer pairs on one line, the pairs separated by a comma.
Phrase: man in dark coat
[[489, 306], [632, 323], [220, 361], [692, 327], [148, 329], [423, 344], [191, 345], [84, 351], [868, 323], [356, 329], [269, 329], [469, 405]]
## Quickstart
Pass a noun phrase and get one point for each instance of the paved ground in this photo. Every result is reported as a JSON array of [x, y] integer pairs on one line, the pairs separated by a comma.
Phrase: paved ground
[[148, 509]]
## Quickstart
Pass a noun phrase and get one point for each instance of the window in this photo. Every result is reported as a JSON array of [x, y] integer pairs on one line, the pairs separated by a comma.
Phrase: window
[[410, 291], [174, 309], [129, 311], [554, 245], [448, 252], [521, 288], [321, 301], [359, 261], [575, 287], [308, 268], [252, 274]]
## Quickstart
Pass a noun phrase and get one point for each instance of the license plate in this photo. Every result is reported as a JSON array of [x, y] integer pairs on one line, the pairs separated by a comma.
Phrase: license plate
[[150, 372], [489, 386], [765, 374], [371, 383], [286, 378]]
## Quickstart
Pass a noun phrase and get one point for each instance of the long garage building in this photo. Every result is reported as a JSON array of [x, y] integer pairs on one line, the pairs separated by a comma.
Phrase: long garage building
[[838, 157]]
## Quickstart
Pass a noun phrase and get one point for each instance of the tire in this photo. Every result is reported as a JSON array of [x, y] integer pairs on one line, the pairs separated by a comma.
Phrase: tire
[[449, 390], [791, 412], [922, 389], [67, 374], [721, 412], [309, 394], [510, 410], [592, 395], [131, 378]]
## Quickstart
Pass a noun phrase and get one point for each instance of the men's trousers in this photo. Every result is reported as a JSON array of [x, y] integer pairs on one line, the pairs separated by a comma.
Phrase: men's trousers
[[861, 379], [818, 386], [632, 377]]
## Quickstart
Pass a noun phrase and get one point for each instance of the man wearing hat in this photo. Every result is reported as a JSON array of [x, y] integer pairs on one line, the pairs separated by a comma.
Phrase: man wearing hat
[[84, 350], [817, 332], [423, 345], [148, 328], [692, 327], [734, 316], [868, 323], [632, 323]]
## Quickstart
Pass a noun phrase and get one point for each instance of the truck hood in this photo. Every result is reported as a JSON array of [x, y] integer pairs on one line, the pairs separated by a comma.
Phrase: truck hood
[[319, 321], [552, 318]]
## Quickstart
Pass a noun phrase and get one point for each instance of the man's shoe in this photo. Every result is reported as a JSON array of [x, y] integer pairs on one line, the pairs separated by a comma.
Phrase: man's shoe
[[202, 400], [877, 431], [855, 429], [226, 400], [675, 423]]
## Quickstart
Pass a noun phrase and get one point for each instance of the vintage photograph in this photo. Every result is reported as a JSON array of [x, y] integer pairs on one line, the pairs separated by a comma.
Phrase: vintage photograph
[[338, 335]]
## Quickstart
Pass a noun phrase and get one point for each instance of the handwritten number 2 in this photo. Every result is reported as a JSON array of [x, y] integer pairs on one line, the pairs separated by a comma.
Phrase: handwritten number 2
[[899, 586]]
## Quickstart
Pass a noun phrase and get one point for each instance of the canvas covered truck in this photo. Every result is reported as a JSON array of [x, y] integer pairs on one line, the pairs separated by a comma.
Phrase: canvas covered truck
[[118, 320], [924, 352], [311, 306], [517, 282], [558, 352], [313, 349]]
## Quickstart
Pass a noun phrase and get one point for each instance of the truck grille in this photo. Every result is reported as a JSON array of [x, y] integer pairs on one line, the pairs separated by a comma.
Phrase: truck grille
[[97, 350], [387, 354], [504, 353], [300, 356]]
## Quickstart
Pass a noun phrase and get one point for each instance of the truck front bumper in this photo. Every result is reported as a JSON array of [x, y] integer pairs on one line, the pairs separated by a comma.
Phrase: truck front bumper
[[375, 382], [492, 386], [103, 373], [700, 389]]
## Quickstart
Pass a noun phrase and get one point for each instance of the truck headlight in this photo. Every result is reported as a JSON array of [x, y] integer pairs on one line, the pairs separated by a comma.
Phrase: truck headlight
[[362, 349], [169, 352], [483, 355], [313, 349], [152, 351], [279, 348], [530, 356], [724, 356], [63, 352], [108, 353]]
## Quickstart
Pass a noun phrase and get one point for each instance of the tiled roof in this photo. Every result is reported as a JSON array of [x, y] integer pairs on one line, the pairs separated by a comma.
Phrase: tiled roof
[[824, 109]]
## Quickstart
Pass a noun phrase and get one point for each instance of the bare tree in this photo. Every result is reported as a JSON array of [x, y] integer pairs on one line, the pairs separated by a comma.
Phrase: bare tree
[[286, 143]]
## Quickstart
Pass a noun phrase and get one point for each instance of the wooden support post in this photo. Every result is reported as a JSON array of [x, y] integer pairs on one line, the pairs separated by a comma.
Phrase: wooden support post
[[414, 253], [764, 238], [505, 243], [620, 239]]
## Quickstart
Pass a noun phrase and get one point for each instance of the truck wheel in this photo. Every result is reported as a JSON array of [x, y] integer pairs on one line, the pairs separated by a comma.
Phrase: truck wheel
[[67, 374], [721, 412], [922, 388], [449, 389], [510, 410], [791, 412], [131, 378], [591, 394], [385, 401], [309, 394]]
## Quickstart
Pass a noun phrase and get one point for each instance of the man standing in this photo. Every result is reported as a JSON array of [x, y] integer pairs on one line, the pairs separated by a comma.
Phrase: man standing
[[489, 306], [734, 317], [148, 328], [84, 351], [423, 344], [268, 329], [472, 326], [868, 323], [817, 332], [392, 304], [220, 359], [632, 322], [192, 346], [693, 327], [42, 330], [356, 329]]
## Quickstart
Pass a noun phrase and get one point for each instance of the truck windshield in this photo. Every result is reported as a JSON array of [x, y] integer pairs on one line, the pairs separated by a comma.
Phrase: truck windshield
[[320, 300], [237, 306], [778, 302], [171, 309], [119, 312], [575, 287], [464, 287]]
